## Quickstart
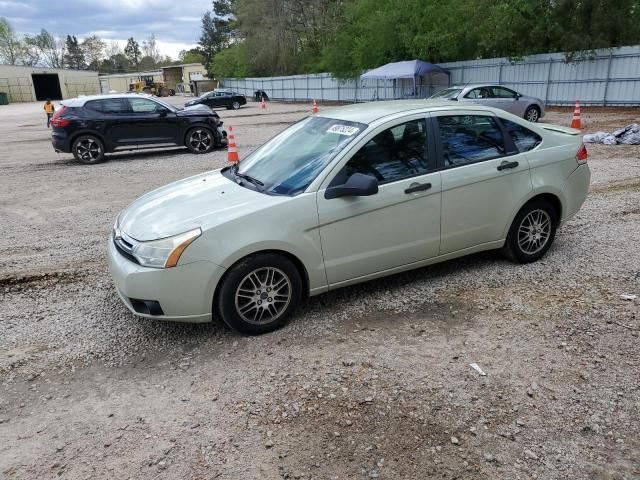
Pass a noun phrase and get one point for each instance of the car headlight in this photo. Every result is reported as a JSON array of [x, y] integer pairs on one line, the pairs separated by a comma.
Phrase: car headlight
[[166, 252]]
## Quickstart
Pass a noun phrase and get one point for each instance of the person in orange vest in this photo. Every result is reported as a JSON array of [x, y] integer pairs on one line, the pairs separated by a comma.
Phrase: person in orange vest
[[49, 109]]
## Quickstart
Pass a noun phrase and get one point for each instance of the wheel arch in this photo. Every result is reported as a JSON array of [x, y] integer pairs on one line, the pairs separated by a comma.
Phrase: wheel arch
[[554, 198], [302, 270], [75, 135], [197, 125]]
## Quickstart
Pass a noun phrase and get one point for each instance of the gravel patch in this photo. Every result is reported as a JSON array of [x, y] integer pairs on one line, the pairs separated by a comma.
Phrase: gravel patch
[[370, 381]]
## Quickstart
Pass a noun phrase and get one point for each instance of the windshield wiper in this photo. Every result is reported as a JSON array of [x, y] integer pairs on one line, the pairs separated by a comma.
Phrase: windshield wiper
[[248, 178]]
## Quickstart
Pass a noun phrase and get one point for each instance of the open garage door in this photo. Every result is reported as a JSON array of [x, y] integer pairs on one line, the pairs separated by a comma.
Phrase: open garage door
[[47, 85]]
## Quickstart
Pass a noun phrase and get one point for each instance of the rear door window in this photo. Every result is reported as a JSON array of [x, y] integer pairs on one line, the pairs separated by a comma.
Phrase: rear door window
[[469, 139], [108, 105], [523, 138], [501, 92]]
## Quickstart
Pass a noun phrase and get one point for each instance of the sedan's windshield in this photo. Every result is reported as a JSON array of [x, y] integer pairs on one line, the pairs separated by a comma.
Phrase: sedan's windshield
[[289, 162], [447, 93]]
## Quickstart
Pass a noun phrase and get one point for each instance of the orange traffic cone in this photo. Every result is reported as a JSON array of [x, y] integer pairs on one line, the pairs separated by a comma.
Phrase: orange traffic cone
[[575, 122], [315, 106], [263, 106], [232, 151]]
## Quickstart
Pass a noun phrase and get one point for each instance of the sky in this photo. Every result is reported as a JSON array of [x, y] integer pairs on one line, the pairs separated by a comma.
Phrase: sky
[[175, 23]]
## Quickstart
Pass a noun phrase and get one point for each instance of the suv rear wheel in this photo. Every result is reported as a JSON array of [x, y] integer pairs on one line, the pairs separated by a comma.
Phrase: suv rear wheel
[[88, 149]]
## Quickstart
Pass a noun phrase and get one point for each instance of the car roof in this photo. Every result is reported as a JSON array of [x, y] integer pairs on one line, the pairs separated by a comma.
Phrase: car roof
[[80, 101], [372, 111]]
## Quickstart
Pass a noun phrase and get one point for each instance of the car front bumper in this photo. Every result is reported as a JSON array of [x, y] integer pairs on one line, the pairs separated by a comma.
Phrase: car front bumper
[[184, 293]]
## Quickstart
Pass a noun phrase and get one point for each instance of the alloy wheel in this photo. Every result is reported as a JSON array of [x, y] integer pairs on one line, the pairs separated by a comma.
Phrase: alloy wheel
[[263, 295], [88, 149], [534, 231], [200, 140], [532, 115], [235, 105]]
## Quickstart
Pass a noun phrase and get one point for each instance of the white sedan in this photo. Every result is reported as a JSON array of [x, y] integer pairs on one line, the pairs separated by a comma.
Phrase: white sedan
[[352, 194]]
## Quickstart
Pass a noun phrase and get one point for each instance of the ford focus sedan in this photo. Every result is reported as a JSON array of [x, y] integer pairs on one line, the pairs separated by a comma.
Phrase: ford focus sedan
[[352, 194]]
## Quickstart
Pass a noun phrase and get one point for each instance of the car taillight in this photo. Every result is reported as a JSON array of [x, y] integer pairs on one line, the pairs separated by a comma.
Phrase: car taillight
[[56, 121], [581, 156]]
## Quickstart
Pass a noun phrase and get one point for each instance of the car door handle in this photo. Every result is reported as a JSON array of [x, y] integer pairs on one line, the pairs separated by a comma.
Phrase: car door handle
[[507, 165], [418, 187]]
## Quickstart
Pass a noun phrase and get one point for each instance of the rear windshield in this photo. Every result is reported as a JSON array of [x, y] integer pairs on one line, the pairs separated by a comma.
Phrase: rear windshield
[[447, 93]]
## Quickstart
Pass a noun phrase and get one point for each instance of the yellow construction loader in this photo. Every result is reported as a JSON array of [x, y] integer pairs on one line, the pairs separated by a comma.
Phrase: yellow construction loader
[[159, 89]]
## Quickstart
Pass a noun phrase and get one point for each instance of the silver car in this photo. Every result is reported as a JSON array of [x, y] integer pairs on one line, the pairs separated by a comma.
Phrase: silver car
[[344, 196], [497, 96]]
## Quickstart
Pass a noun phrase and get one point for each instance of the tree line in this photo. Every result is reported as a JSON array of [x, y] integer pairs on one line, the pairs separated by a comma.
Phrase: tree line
[[282, 37], [90, 53]]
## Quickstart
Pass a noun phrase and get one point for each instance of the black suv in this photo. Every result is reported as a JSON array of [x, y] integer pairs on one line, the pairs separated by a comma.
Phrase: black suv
[[91, 126], [219, 98]]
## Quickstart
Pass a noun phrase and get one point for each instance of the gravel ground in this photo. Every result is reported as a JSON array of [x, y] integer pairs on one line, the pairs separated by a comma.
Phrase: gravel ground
[[371, 381]]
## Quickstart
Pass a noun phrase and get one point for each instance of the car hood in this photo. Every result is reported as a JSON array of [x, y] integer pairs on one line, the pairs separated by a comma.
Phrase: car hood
[[203, 201], [196, 110]]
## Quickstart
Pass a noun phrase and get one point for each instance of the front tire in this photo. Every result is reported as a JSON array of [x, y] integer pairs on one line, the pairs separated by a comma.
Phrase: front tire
[[532, 232], [259, 293], [200, 140], [88, 149], [532, 114], [236, 105]]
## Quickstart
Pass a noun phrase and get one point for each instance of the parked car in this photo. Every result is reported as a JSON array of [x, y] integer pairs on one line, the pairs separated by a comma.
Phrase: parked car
[[345, 196], [218, 99], [523, 106], [89, 127]]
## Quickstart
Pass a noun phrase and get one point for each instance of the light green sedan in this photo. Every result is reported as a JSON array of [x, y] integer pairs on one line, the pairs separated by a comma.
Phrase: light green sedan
[[355, 193]]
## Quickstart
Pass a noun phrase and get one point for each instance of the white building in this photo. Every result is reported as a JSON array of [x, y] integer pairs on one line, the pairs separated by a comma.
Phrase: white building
[[31, 84]]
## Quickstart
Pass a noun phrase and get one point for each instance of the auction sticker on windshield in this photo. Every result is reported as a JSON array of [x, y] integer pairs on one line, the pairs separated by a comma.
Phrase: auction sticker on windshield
[[343, 130]]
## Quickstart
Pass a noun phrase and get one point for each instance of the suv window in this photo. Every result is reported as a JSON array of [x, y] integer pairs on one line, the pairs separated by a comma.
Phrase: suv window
[[108, 105], [524, 138], [469, 139], [501, 92], [482, 92], [393, 154], [142, 105]]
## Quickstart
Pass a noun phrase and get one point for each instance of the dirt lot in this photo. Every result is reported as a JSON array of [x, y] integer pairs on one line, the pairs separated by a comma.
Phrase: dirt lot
[[371, 381]]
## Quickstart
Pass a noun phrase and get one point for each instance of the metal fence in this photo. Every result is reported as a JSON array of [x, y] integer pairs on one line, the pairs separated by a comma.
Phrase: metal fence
[[608, 77]]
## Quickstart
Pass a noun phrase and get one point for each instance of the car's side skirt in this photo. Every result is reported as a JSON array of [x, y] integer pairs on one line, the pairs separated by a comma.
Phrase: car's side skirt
[[411, 266]]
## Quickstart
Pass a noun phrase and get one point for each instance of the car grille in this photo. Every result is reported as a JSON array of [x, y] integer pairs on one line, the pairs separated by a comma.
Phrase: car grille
[[124, 244]]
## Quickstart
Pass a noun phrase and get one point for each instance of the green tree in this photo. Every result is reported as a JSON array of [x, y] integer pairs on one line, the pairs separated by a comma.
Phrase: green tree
[[231, 62], [50, 49], [216, 31], [74, 56], [93, 48], [133, 53], [191, 56], [11, 48]]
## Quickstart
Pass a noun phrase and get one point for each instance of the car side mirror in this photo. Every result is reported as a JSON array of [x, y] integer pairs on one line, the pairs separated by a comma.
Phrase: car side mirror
[[357, 185], [518, 96], [162, 113]]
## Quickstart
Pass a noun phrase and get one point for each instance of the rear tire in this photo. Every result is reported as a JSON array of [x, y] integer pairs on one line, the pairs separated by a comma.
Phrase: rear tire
[[532, 114], [532, 232], [88, 149], [259, 293], [200, 140]]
